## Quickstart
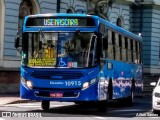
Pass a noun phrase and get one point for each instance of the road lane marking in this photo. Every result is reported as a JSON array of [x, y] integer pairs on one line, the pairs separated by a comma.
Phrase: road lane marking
[[101, 118], [28, 105], [2, 119], [127, 110]]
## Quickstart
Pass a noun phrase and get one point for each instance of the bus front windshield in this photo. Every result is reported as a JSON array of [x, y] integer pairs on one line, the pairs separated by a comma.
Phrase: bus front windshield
[[67, 49]]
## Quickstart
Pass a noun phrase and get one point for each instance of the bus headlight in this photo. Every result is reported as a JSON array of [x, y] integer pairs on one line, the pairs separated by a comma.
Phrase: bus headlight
[[85, 85], [29, 84]]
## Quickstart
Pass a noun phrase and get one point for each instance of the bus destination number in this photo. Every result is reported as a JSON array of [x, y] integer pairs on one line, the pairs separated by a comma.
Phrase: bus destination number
[[73, 83]]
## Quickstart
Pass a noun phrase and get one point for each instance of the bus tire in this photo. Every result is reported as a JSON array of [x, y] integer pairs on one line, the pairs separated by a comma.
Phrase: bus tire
[[130, 99], [102, 105], [45, 104], [110, 90]]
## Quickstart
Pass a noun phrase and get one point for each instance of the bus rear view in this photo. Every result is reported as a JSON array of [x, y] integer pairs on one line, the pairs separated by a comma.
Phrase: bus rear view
[[60, 60]]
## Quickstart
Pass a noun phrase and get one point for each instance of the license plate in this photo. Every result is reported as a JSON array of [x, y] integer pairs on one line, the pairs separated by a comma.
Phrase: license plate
[[56, 95]]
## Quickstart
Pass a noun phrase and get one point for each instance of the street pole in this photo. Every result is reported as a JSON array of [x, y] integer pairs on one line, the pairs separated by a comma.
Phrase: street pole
[[58, 6]]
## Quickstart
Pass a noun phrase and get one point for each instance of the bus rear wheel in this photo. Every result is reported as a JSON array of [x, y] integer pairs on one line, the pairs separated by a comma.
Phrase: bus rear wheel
[[130, 99], [102, 105], [45, 104]]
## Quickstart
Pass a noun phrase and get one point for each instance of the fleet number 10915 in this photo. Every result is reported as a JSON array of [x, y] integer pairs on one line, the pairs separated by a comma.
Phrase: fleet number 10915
[[73, 83]]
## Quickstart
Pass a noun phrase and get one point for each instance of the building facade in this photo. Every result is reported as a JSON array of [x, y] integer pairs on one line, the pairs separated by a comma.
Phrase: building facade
[[138, 16], [12, 13]]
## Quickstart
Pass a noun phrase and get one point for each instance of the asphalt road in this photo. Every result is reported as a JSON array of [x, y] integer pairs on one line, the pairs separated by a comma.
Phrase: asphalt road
[[141, 109]]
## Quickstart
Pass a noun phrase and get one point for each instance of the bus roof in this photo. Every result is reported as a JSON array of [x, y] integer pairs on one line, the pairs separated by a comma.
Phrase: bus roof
[[119, 29], [99, 19], [59, 15]]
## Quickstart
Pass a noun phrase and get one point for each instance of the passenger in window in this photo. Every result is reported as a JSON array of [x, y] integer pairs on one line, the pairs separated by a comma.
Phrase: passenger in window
[[49, 51]]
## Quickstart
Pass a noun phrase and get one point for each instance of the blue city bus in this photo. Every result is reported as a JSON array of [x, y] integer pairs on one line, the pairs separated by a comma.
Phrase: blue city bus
[[78, 58]]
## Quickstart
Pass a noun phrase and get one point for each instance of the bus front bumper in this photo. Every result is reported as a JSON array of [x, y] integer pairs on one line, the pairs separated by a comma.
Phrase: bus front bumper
[[68, 95]]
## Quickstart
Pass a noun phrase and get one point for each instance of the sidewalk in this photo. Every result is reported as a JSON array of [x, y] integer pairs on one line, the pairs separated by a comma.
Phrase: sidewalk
[[10, 99], [15, 98]]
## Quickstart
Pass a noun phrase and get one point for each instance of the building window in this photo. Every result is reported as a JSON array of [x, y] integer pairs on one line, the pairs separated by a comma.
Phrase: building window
[[25, 9], [70, 10], [159, 50], [119, 22]]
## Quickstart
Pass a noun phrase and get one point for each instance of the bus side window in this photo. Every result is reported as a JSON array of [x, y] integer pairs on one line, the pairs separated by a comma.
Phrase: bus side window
[[120, 46], [104, 40], [136, 45], [117, 47], [134, 52], [113, 43], [104, 47], [110, 45], [124, 55], [140, 52], [126, 48], [129, 51], [131, 43]]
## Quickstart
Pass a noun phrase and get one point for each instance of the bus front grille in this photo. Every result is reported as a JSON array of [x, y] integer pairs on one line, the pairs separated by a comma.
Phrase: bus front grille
[[70, 94], [56, 75], [56, 89]]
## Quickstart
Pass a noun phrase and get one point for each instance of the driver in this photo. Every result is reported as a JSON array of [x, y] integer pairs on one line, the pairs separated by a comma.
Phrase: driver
[[49, 51]]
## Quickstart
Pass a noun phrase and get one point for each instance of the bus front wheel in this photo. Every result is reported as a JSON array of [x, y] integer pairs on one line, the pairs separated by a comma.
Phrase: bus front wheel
[[45, 104], [102, 105]]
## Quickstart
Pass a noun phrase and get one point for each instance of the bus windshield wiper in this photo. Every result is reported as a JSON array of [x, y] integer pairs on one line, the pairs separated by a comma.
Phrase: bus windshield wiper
[[75, 35], [72, 41]]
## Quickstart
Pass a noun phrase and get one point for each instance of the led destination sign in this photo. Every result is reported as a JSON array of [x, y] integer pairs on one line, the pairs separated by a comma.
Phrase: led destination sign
[[62, 21]]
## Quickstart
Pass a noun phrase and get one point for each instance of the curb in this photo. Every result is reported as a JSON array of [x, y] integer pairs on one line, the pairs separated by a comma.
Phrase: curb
[[13, 98], [23, 101]]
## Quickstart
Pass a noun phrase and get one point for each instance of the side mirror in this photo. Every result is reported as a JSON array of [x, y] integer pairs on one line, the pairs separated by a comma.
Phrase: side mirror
[[17, 39], [153, 84]]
